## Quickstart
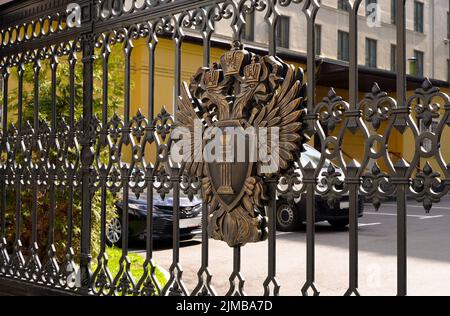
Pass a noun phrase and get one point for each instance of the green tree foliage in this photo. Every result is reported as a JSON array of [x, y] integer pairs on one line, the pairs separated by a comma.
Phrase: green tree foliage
[[63, 89], [63, 92]]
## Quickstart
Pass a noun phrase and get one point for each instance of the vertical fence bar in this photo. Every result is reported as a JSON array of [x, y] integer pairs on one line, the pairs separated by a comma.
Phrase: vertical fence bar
[[152, 284], [272, 250], [5, 74], [34, 264], [310, 10], [207, 33], [176, 219], [152, 44], [236, 289], [401, 239], [401, 53], [401, 185], [353, 55], [236, 276], [51, 268], [271, 18], [204, 276], [310, 183], [72, 65], [102, 271], [353, 182], [175, 285], [352, 169], [106, 51], [124, 282], [87, 159], [206, 36], [148, 285], [18, 257], [69, 268], [178, 42], [3, 242]]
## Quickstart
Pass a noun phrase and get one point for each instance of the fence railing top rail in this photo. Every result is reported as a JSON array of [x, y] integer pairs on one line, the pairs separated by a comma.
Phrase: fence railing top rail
[[26, 25]]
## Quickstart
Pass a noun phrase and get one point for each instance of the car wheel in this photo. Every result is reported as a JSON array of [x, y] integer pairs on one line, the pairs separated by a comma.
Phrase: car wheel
[[114, 232], [339, 223], [287, 218]]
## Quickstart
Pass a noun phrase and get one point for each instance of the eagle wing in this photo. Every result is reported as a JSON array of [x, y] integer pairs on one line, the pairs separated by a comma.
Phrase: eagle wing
[[186, 118], [284, 111]]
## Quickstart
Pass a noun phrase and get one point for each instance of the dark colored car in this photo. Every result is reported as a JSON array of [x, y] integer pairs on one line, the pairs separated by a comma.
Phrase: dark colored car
[[190, 219], [291, 215]]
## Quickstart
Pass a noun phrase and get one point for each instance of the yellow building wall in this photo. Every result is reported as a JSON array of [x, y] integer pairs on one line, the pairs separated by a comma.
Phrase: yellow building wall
[[192, 59]]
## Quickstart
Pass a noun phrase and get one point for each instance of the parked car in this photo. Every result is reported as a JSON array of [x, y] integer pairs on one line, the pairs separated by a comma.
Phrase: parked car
[[190, 219], [291, 215]]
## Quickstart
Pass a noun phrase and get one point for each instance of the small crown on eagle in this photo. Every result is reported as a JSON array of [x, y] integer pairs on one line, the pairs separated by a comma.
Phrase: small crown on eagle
[[252, 72], [232, 60], [212, 77]]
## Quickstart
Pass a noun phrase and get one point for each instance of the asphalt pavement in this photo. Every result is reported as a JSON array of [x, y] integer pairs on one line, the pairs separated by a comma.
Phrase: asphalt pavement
[[428, 256]]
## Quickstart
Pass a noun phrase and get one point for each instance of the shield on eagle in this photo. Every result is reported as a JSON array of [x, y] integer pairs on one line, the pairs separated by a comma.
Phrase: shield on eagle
[[228, 173]]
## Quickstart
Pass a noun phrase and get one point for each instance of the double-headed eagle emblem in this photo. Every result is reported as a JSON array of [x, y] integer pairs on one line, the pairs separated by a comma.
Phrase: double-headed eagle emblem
[[243, 91]]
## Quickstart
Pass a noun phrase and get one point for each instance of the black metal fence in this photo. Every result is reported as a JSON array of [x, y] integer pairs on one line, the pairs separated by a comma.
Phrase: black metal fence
[[77, 153]]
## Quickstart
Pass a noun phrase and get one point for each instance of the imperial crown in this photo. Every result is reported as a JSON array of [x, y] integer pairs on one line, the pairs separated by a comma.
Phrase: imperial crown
[[232, 61], [212, 77], [252, 71]]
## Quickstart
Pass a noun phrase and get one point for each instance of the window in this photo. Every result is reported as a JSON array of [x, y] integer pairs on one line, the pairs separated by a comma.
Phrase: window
[[371, 52], [318, 39], [418, 16], [368, 2], [249, 29], [343, 49], [283, 32], [393, 57], [343, 5], [417, 64], [393, 11]]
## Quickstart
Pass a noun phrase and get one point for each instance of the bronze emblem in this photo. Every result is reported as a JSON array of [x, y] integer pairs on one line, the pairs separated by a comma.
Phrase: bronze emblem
[[243, 91]]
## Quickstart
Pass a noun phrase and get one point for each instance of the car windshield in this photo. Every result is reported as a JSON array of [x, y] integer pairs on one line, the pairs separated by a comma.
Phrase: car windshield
[[312, 155]]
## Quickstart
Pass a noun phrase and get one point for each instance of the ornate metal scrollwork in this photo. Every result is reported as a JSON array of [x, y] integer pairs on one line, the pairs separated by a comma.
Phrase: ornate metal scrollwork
[[331, 112], [428, 184]]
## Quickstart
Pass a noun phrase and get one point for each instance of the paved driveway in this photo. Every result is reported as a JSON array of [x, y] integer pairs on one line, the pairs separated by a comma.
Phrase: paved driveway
[[428, 250]]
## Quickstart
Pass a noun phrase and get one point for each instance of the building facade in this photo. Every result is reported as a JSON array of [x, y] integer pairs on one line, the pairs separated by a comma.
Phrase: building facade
[[427, 33]]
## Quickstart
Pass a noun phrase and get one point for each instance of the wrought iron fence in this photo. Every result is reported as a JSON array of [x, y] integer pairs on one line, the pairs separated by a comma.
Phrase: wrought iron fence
[[98, 152]]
